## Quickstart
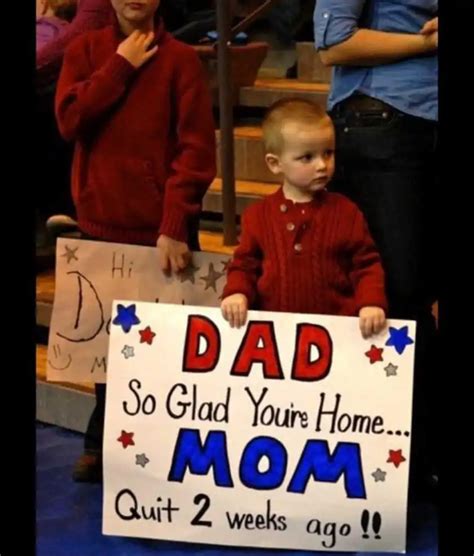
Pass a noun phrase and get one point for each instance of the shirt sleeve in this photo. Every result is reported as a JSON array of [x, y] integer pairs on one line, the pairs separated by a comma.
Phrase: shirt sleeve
[[335, 21]]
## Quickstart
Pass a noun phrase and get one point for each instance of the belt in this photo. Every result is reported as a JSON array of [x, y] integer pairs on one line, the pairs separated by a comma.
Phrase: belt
[[363, 103]]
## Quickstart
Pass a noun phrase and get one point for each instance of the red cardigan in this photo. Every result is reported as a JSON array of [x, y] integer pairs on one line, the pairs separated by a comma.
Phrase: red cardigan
[[145, 139], [315, 257]]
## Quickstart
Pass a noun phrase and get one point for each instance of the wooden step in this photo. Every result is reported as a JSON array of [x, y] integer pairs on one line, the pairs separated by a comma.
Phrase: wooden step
[[213, 242], [249, 155], [45, 282], [246, 193], [277, 63], [62, 404], [310, 67], [267, 91]]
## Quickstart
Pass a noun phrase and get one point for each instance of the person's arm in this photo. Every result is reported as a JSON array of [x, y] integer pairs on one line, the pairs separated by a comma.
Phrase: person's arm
[[246, 265], [194, 165], [83, 96], [340, 41], [91, 14]]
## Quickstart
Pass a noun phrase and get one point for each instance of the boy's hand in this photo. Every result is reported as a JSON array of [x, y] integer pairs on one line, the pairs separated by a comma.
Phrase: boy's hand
[[134, 48], [172, 254], [371, 320], [234, 309]]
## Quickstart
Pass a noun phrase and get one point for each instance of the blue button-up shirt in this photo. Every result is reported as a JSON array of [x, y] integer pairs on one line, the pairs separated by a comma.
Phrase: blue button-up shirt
[[410, 85]]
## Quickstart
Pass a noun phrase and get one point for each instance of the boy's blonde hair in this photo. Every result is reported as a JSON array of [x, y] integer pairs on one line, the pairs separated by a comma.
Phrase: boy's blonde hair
[[63, 9], [289, 110]]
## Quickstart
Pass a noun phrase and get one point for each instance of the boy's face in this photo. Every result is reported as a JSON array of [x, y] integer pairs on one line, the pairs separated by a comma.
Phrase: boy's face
[[307, 157], [135, 12]]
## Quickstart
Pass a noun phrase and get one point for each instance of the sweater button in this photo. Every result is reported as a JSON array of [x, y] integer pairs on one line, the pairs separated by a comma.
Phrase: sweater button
[[283, 208], [298, 247], [290, 226]]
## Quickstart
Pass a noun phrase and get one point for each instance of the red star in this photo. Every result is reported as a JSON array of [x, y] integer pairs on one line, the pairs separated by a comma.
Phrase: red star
[[146, 336], [374, 354], [395, 457], [126, 438]]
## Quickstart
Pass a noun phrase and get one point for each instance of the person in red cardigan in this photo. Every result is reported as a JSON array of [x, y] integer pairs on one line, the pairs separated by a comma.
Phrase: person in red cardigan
[[304, 249], [137, 105]]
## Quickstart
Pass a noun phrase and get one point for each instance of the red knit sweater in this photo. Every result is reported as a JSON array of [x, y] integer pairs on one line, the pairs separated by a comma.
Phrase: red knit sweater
[[315, 257], [145, 139]]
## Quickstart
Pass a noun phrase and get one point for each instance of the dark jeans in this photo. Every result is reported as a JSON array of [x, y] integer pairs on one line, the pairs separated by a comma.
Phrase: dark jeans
[[94, 435], [387, 163]]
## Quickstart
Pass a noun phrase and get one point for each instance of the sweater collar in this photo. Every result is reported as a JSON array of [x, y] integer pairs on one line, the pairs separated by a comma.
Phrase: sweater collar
[[317, 200], [161, 35]]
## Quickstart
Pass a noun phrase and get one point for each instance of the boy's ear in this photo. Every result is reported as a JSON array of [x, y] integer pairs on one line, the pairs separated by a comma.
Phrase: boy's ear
[[273, 163]]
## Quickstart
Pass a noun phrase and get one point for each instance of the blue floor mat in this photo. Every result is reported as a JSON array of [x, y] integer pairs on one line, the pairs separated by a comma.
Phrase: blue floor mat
[[69, 514]]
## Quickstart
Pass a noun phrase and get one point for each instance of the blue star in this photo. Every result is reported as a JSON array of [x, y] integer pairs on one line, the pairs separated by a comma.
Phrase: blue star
[[126, 317], [399, 338]]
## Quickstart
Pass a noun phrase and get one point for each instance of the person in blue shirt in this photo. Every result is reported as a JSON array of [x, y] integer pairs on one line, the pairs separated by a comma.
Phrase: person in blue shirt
[[384, 104]]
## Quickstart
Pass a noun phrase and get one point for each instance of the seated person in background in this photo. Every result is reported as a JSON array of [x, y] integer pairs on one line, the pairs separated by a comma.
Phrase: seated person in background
[[52, 16], [91, 14]]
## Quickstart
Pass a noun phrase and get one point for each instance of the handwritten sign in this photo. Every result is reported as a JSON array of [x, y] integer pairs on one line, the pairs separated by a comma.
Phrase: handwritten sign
[[292, 432], [90, 274]]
